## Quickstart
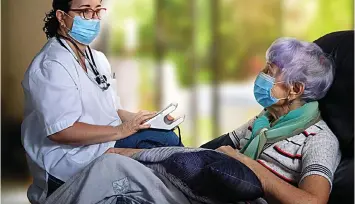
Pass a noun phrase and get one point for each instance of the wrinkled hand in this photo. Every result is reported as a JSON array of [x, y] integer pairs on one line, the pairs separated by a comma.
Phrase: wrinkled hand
[[135, 124], [128, 152], [228, 150]]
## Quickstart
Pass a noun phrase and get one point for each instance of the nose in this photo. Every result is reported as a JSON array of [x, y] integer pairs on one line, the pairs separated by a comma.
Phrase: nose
[[95, 16]]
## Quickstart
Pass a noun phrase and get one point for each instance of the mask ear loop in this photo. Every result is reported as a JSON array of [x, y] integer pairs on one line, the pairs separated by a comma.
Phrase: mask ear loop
[[63, 24], [285, 98], [289, 102]]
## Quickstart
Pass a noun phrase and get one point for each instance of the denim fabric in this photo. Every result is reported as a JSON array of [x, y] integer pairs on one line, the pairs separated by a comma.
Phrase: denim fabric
[[215, 175], [204, 175], [150, 138]]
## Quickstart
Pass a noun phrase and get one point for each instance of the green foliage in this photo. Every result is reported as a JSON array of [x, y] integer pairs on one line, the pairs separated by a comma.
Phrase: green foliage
[[331, 16], [246, 29], [142, 11]]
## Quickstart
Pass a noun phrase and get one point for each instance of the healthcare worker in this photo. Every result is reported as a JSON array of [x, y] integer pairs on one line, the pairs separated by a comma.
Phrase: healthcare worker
[[72, 115]]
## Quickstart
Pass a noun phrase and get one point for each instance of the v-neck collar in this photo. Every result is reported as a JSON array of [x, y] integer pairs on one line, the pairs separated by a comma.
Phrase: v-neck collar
[[87, 64]]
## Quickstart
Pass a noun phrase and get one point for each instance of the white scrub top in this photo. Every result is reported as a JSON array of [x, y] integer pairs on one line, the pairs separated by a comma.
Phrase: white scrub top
[[59, 93]]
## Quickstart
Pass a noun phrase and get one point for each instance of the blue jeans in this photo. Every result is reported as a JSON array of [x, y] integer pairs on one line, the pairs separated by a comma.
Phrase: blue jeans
[[150, 138]]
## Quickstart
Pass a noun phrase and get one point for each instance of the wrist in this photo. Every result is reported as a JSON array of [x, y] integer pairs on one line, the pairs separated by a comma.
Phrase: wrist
[[241, 157], [259, 171], [120, 133]]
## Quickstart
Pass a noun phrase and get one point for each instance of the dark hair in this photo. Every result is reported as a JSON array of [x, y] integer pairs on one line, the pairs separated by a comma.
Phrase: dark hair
[[51, 24]]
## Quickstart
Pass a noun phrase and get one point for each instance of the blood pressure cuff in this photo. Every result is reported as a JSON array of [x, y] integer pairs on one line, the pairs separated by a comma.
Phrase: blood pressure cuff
[[203, 175]]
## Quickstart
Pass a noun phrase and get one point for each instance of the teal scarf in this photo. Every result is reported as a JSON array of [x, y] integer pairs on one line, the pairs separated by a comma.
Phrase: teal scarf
[[291, 124]]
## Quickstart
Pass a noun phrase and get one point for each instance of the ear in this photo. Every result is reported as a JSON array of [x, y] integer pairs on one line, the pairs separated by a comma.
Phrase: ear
[[60, 17], [297, 90]]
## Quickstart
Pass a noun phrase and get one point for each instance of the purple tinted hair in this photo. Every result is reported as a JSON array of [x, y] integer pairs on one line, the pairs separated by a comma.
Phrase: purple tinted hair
[[303, 62]]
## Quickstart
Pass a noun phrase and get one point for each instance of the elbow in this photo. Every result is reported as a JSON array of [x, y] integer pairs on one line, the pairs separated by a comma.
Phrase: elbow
[[59, 137], [67, 136], [62, 137]]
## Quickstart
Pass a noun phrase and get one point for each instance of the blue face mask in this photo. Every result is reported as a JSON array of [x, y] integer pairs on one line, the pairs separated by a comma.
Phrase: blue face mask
[[84, 31], [262, 90]]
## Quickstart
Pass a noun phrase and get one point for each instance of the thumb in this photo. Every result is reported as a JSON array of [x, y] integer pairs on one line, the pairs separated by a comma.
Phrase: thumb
[[169, 117]]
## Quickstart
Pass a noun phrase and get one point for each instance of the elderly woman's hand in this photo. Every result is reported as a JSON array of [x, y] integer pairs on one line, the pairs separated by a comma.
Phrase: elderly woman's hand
[[228, 150], [128, 152]]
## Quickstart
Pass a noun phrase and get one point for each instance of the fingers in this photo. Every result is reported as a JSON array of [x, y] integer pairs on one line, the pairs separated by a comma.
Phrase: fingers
[[169, 117], [144, 112], [224, 148], [140, 118], [221, 147], [111, 150], [146, 126], [123, 151], [146, 116]]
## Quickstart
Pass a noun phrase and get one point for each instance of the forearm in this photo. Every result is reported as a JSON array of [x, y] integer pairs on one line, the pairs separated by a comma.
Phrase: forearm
[[278, 191], [125, 115], [86, 134]]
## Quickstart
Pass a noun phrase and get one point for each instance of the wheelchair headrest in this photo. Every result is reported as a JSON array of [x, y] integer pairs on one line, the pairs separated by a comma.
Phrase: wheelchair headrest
[[337, 107]]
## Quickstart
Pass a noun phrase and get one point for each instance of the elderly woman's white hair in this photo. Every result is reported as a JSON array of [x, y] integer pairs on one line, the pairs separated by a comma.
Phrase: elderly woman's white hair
[[303, 62]]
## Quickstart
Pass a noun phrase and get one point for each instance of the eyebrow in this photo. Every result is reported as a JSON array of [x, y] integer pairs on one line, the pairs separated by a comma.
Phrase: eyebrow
[[87, 5]]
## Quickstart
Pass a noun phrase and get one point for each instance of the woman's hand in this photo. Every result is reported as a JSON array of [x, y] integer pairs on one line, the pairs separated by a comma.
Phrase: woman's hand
[[228, 150], [123, 151], [132, 126]]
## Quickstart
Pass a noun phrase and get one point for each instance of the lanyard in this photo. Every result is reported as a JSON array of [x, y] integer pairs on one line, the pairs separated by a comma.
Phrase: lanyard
[[101, 80]]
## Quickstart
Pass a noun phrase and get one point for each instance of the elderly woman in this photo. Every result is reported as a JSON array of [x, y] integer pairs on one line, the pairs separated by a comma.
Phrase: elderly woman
[[288, 146]]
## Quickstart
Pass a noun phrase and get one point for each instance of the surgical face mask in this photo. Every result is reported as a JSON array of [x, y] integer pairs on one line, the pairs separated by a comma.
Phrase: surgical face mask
[[262, 90], [84, 31]]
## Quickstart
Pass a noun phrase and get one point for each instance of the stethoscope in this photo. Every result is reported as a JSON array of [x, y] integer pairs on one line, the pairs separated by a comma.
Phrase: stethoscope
[[100, 80]]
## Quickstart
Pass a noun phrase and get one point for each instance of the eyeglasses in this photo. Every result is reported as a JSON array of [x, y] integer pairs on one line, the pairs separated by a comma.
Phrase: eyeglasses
[[269, 70], [88, 13]]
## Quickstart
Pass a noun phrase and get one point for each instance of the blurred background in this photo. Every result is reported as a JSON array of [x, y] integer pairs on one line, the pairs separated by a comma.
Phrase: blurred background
[[202, 54]]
